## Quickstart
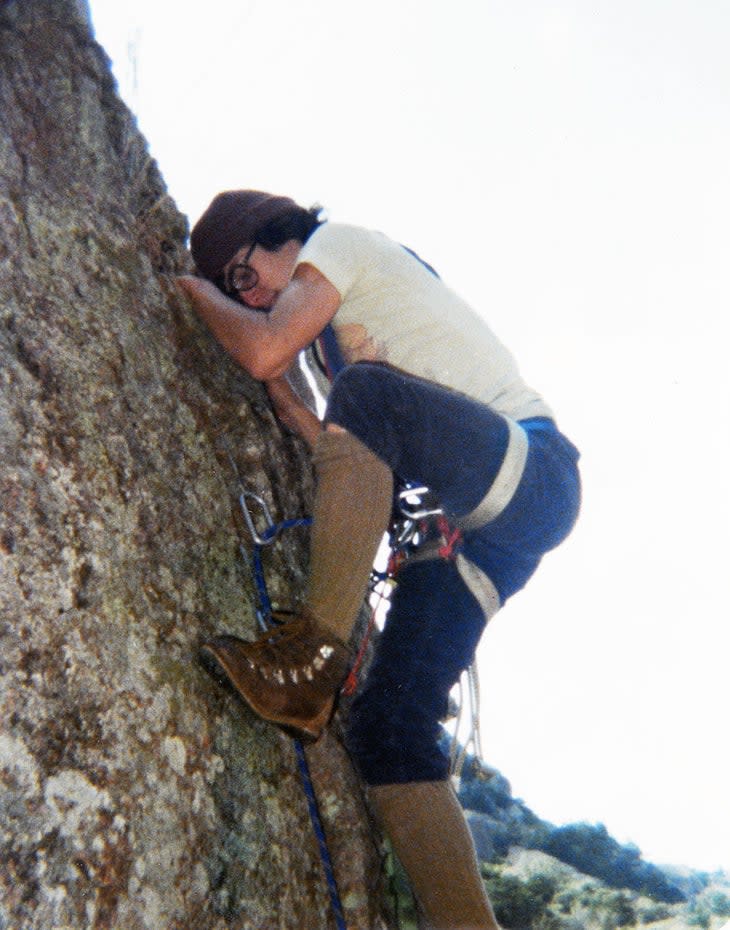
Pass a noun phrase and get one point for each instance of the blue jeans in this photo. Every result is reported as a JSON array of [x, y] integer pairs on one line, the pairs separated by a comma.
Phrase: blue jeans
[[454, 445]]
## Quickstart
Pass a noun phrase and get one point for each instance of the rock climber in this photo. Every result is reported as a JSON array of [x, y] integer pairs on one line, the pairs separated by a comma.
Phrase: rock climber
[[428, 394]]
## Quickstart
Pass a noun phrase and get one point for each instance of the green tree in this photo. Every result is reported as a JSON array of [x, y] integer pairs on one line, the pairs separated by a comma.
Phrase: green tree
[[719, 903], [653, 913], [520, 905], [698, 916], [593, 851]]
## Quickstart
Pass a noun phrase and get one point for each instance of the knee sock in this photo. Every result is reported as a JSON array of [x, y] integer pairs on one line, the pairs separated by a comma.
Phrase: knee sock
[[352, 507], [431, 838]]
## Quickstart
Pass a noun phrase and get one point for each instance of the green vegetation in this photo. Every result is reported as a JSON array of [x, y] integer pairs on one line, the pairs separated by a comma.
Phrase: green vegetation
[[526, 898], [577, 877], [719, 903], [586, 847], [652, 913], [521, 904], [543, 902], [592, 851]]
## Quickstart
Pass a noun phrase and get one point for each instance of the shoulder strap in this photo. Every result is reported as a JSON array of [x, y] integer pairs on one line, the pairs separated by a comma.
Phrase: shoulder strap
[[331, 355], [419, 259]]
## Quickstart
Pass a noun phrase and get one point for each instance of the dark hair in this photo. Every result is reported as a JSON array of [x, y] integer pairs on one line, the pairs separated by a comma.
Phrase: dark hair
[[299, 223], [237, 218]]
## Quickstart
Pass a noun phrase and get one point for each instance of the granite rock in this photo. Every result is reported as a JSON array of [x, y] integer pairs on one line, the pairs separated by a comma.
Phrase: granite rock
[[136, 792]]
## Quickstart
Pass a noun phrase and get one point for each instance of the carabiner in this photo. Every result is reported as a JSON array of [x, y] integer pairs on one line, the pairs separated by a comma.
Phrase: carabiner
[[268, 536]]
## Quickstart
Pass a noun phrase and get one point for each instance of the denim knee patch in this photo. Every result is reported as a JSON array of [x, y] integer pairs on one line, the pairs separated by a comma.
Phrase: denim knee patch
[[392, 747], [426, 433]]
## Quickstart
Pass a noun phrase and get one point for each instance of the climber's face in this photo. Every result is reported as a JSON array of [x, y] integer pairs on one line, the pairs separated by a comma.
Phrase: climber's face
[[255, 276]]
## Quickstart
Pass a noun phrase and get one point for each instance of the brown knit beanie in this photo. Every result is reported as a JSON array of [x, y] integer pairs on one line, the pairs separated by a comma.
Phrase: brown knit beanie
[[232, 221]]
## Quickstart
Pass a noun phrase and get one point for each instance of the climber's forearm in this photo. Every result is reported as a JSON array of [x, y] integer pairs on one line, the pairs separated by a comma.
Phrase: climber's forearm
[[245, 334], [291, 410], [266, 344]]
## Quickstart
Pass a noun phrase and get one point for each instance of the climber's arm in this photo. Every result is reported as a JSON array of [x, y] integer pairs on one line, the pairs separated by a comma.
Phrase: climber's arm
[[266, 344], [292, 411]]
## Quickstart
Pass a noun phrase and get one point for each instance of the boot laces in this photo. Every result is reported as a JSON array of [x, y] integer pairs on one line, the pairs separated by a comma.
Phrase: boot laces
[[291, 645]]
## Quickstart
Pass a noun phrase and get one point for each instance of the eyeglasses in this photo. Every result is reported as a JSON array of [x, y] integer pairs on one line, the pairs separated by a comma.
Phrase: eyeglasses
[[242, 277]]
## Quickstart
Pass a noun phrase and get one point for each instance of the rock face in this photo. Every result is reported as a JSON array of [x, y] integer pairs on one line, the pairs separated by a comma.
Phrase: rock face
[[136, 792]]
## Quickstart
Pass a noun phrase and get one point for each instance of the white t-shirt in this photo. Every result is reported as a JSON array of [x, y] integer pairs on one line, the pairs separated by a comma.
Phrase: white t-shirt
[[394, 310]]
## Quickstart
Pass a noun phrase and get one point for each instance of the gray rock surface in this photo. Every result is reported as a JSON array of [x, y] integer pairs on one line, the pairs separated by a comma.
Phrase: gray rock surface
[[135, 792]]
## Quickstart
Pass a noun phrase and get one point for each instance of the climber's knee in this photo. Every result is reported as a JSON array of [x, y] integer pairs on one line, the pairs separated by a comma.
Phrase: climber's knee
[[394, 741], [356, 391]]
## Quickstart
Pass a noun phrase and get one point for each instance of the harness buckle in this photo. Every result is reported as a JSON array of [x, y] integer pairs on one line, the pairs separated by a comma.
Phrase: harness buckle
[[417, 503]]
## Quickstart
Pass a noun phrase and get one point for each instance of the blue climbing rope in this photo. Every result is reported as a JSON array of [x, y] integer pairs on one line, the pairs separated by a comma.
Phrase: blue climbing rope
[[268, 536], [264, 613], [324, 854]]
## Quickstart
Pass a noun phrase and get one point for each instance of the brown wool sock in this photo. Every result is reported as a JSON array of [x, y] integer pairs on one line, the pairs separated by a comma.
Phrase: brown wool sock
[[352, 508], [431, 838]]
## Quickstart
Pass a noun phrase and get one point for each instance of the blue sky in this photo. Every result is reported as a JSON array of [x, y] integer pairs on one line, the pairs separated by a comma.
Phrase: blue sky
[[564, 166]]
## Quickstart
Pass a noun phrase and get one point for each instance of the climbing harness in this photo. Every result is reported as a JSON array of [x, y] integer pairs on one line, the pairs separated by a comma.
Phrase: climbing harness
[[417, 509]]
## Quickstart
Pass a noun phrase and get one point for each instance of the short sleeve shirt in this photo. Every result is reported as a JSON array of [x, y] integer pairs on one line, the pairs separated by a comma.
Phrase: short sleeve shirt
[[395, 310]]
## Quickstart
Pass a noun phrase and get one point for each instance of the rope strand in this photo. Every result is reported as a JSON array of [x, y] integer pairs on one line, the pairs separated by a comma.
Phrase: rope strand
[[264, 612]]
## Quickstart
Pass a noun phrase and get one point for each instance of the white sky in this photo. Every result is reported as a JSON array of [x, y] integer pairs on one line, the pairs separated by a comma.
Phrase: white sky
[[564, 165]]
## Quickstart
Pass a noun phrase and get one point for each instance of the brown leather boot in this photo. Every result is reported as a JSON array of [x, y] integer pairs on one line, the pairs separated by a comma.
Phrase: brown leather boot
[[290, 675]]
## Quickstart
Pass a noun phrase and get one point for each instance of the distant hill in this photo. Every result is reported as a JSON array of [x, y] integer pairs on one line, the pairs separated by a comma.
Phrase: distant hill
[[577, 877], [534, 891]]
